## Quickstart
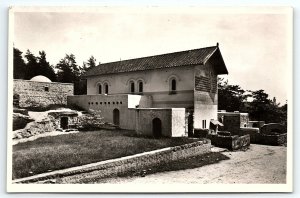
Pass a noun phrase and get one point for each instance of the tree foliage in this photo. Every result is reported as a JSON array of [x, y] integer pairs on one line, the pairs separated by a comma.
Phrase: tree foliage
[[19, 64], [231, 97], [261, 108], [91, 62]]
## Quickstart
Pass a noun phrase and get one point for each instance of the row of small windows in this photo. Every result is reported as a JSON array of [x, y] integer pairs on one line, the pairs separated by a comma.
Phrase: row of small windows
[[96, 103], [172, 89]]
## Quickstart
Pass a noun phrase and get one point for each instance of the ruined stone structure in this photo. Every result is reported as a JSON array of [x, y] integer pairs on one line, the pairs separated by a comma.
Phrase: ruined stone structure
[[40, 92], [233, 121], [164, 95]]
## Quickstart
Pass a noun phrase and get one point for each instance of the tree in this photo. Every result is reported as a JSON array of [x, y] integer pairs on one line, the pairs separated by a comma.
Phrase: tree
[[19, 65], [230, 97], [264, 109], [91, 62], [69, 72], [31, 68], [44, 68]]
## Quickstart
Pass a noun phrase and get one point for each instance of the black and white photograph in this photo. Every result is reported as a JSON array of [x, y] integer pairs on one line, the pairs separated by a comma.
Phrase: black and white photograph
[[150, 99]]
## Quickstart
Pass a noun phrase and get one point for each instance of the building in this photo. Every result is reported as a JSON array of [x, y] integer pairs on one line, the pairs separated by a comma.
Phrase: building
[[40, 92], [162, 95]]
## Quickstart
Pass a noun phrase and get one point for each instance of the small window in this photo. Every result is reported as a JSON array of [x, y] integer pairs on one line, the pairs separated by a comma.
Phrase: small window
[[108, 102], [89, 103], [120, 102], [106, 88], [117, 102], [100, 89], [113, 102], [104, 102], [92, 103], [204, 124], [141, 87], [132, 87], [101, 103], [47, 89], [173, 85], [96, 103]]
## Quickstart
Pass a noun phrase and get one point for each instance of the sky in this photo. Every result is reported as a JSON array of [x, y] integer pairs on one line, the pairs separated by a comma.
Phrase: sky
[[254, 45]]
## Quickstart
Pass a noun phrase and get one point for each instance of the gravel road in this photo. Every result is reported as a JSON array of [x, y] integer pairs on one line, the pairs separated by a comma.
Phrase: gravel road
[[260, 164]]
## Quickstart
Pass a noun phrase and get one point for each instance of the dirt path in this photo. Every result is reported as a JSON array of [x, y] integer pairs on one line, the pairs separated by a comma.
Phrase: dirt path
[[258, 165]]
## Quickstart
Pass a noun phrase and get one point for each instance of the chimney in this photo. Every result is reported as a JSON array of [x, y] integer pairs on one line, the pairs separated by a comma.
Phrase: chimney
[[217, 44]]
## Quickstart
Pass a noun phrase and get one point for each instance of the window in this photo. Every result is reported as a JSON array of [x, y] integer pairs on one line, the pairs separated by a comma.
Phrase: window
[[131, 86], [141, 87], [47, 89], [204, 124], [106, 88], [173, 86], [99, 89]]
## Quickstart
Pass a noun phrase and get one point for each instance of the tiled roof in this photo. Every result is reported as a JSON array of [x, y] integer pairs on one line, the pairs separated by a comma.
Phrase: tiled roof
[[176, 59]]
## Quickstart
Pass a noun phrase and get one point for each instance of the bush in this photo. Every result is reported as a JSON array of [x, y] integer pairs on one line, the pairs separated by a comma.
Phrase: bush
[[91, 121]]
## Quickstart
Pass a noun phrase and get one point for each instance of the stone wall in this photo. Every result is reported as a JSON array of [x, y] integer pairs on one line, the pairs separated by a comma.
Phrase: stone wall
[[230, 142], [35, 128], [118, 166], [253, 132], [244, 119], [256, 124], [41, 94]]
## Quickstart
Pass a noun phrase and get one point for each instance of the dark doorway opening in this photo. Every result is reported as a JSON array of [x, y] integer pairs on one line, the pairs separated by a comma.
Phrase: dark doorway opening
[[156, 127], [64, 122], [116, 117]]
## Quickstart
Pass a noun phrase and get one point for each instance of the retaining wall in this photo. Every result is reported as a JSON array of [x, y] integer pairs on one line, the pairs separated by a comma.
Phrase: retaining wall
[[118, 166], [230, 142]]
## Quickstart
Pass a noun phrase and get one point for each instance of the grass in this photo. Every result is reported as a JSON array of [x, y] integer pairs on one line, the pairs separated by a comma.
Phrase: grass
[[64, 151]]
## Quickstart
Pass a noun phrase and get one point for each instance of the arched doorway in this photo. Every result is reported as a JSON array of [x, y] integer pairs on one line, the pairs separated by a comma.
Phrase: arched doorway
[[156, 127], [116, 117]]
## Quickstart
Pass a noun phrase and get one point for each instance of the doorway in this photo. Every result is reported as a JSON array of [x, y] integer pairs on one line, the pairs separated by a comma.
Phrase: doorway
[[64, 122], [116, 117], [156, 127]]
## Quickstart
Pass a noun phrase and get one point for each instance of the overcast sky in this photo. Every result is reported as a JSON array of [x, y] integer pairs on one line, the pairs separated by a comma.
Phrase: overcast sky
[[254, 45]]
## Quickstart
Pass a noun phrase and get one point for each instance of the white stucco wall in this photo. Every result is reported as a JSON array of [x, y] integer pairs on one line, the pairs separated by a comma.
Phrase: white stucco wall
[[178, 122], [156, 84], [107, 103], [205, 103], [172, 121]]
